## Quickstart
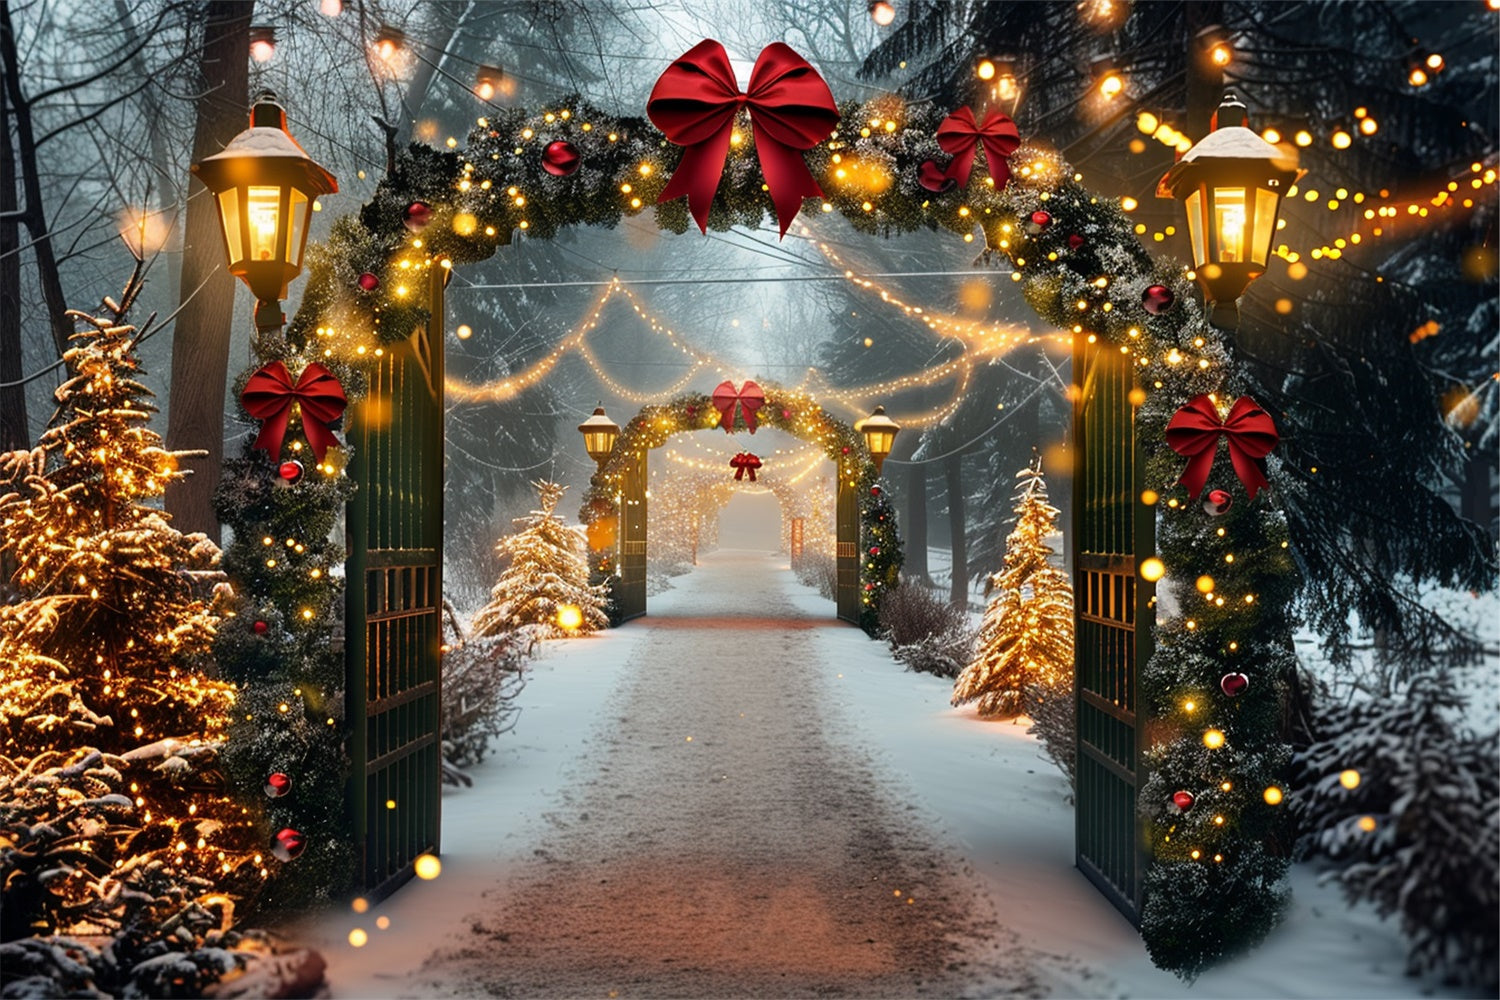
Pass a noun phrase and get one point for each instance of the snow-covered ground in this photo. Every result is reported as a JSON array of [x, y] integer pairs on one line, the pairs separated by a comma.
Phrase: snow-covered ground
[[981, 790]]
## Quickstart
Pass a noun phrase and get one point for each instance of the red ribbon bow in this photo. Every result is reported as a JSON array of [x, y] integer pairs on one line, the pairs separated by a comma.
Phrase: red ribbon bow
[[791, 109], [961, 136], [1193, 433], [742, 463], [269, 396], [749, 396]]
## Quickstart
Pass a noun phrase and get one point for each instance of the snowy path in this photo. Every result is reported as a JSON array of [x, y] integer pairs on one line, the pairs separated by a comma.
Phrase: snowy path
[[723, 846], [600, 852]]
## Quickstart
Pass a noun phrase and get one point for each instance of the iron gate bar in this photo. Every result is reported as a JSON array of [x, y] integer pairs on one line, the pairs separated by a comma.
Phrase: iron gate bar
[[393, 604], [1113, 529], [630, 587]]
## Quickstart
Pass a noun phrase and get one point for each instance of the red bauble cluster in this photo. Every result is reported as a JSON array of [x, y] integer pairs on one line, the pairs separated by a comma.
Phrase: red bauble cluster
[[288, 844], [560, 158], [417, 215], [1157, 299]]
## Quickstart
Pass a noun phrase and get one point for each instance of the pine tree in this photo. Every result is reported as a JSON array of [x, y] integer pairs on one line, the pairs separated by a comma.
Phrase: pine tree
[[109, 643], [545, 571], [1027, 634], [114, 814]]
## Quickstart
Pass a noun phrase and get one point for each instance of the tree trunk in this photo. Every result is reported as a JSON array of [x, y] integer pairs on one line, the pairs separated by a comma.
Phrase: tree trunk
[[953, 471], [34, 214], [200, 342], [13, 429]]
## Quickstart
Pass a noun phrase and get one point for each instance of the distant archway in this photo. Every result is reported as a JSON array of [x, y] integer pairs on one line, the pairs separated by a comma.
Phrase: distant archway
[[868, 549]]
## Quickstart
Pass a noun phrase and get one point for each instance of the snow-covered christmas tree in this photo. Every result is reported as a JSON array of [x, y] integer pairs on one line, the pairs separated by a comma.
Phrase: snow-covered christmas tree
[[1026, 638], [545, 577], [114, 815]]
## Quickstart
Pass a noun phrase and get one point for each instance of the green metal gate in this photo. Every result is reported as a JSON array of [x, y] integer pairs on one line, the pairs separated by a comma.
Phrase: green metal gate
[[393, 606], [847, 554], [1111, 528], [630, 588]]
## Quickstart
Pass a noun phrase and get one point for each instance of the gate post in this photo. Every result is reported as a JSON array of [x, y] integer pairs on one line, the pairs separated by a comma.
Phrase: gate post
[[847, 552], [393, 606], [630, 589], [1113, 615]]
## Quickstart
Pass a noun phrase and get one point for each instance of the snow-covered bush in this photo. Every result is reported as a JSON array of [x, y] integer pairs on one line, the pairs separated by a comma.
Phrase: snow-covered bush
[[481, 678], [1406, 805], [926, 633], [1054, 722], [814, 569]]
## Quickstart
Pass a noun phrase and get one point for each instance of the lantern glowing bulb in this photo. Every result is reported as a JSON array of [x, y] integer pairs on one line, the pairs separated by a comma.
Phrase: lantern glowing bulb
[[569, 617], [882, 12]]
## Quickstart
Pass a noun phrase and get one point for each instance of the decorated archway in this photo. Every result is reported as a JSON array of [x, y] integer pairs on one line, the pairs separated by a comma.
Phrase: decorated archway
[[1176, 701], [868, 549]]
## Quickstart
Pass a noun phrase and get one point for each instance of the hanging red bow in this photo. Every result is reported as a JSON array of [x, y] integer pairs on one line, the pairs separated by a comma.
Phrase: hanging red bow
[[742, 463], [269, 396], [961, 136], [749, 396], [791, 109], [1193, 433]]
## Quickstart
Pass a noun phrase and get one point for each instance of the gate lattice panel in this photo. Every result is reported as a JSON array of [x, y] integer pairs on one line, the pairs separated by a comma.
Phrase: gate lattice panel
[[393, 608], [1111, 528], [847, 554], [630, 588]]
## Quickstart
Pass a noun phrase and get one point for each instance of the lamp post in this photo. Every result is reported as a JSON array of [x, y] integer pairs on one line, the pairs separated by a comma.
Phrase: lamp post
[[1231, 182], [265, 185], [880, 434], [599, 435]]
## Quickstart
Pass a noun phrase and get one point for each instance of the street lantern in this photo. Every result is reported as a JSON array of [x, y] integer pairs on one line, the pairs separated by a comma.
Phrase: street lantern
[[880, 434], [1231, 183], [265, 184], [599, 435]]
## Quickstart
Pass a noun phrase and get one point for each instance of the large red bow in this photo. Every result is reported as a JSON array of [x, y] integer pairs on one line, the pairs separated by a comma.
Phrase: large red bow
[[1193, 433], [742, 463], [961, 136], [750, 397], [269, 396], [791, 109]]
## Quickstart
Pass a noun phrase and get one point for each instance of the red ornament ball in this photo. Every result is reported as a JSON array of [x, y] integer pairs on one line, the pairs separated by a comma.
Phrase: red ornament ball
[[417, 215], [1182, 800], [875, 550], [692, 411], [1157, 299], [369, 282], [1075, 241], [1234, 685], [786, 414], [874, 491], [287, 845], [260, 628], [277, 785], [560, 158], [1217, 502], [846, 449], [290, 471], [933, 178], [1038, 221]]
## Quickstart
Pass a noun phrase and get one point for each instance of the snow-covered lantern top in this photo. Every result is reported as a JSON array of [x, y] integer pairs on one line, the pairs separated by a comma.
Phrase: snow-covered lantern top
[[266, 185], [1231, 183], [880, 435], [599, 435]]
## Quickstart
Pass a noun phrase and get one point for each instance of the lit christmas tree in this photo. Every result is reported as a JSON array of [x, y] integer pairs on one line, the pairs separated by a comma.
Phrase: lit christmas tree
[[114, 815], [545, 578], [1027, 635]]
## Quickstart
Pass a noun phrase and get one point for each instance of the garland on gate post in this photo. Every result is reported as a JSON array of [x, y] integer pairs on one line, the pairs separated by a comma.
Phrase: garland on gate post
[[1216, 885]]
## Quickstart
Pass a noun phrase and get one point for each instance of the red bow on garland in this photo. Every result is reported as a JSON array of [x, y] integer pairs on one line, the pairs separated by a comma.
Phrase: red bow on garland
[[791, 109], [1193, 432], [269, 396], [961, 136], [742, 462], [750, 397]]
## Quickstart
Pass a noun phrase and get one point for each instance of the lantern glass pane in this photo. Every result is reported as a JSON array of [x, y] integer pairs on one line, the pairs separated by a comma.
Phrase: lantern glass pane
[[1194, 203], [1229, 224], [1265, 225], [879, 442], [229, 213], [264, 209], [296, 227]]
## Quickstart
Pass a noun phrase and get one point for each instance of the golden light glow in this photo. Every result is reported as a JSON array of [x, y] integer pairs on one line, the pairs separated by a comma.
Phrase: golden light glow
[[1153, 569], [1213, 739], [569, 617], [1349, 778], [1272, 795], [985, 70], [428, 867]]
